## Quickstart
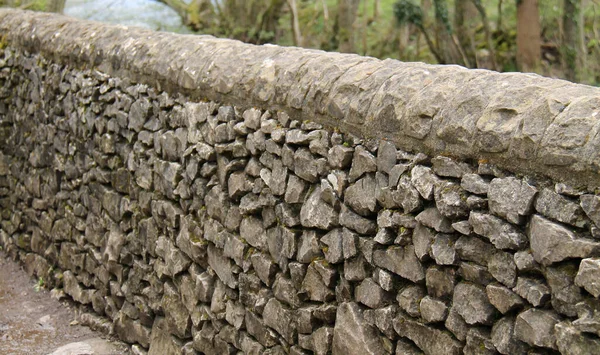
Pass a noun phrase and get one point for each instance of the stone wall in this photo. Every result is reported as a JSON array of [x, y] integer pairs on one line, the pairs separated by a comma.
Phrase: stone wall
[[199, 195]]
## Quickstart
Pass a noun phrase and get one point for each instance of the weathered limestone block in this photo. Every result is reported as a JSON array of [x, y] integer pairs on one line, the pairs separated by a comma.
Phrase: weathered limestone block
[[552, 242], [555, 206], [511, 198], [536, 327], [430, 340], [353, 335], [471, 302]]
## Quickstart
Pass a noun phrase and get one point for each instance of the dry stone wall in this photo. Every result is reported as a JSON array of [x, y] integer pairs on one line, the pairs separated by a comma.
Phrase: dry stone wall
[[191, 217]]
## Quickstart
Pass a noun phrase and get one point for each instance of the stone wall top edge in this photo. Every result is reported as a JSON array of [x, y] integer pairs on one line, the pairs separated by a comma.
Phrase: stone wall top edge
[[525, 123]]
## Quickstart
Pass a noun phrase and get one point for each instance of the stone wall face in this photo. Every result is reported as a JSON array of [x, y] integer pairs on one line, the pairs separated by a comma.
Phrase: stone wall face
[[208, 226]]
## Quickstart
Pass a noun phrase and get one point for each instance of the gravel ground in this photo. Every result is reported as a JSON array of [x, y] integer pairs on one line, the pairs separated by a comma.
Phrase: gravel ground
[[32, 322]]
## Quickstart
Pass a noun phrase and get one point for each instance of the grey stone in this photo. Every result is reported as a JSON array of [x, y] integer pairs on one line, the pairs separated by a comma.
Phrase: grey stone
[[475, 202], [306, 166], [397, 171], [386, 156], [176, 315], [407, 195], [533, 290], [265, 267], [525, 262], [252, 118], [281, 319], [456, 324], [296, 190], [308, 247], [504, 338], [444, 166], [318, 214], [406, 347], [503, 235], [463, 227], [450, 200], [285, 291], [352, 335], [339, 156], [333, 251], [432, 310], [511, 198], [355, 222], [430, 340], [362, 162], [443, 249], [409, 299], [422, 239], [471, 302], [503, 298], [252, 231], [440, 281], [572, 342], [401, 261], [256, 327], [349, 243], [314, 287], [475, 184], [235, 314], [588, 276], [249, 346], [360, 196], [222, 266], [591, 207], [432, 218], [557, 207], [424, 180], [536, 327], [551, 242], [356, 269], [479, 342], [161, 342], [384, 278], [385, 236], [502, 266], [565, 293], [371, 294], [474, 249], [588, 313], [475, 273]]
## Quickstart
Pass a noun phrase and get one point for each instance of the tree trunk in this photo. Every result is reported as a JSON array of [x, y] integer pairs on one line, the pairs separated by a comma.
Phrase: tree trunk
[[528, 35], [295, 24], [464, 15], [344, 25], [488, 33], [573, 48]]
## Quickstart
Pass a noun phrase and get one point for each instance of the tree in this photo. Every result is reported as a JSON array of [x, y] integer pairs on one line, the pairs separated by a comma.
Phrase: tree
[[464, 13], [573, 44], [344, 25], [252, 21], [36, 5], [528, 35], [298, 41]]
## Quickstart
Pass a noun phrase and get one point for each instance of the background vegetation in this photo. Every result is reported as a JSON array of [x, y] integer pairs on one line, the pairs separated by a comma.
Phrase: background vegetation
[[558, 38]]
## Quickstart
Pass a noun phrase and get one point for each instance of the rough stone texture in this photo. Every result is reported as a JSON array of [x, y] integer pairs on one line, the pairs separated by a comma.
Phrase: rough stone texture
[[279, 205], [536, 327], [588, 276], [430, 340], [552, 242], [511, 198], [471, 302], [352, 335]]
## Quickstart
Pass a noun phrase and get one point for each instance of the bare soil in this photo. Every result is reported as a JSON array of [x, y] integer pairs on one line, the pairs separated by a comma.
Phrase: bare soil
[[32, 322]]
